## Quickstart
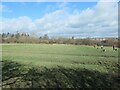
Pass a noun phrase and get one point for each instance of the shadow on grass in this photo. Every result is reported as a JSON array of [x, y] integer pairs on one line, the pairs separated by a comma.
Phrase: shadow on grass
[[16, 76]]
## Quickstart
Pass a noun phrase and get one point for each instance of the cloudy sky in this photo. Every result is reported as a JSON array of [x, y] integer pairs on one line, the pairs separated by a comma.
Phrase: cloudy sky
[[79, 19]]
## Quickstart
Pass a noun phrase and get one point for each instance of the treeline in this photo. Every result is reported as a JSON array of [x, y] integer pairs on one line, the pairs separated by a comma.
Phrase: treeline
[[32, 38]]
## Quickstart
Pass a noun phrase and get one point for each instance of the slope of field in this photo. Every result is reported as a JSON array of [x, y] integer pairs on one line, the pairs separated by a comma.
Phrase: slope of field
[[68, 62]]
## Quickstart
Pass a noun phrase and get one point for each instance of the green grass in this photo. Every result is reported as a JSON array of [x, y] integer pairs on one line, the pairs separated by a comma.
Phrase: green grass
[[65, 56]]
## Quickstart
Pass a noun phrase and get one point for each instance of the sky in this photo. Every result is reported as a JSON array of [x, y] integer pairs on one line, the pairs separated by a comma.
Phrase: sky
[[78, 19]]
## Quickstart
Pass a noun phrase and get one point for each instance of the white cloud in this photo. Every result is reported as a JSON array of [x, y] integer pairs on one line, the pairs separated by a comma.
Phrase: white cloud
[[101, 20], [23, 24]]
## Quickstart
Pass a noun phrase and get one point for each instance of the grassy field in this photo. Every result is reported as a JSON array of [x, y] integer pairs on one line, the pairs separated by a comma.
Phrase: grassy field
[[71, 66]]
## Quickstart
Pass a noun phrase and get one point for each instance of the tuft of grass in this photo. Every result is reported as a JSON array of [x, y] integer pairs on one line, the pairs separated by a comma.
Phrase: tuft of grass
[[16, 75]]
